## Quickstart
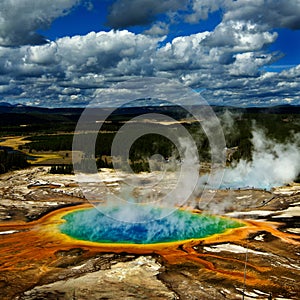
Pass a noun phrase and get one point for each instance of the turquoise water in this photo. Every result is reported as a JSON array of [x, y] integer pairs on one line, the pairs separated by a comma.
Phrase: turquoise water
[[95, 226]]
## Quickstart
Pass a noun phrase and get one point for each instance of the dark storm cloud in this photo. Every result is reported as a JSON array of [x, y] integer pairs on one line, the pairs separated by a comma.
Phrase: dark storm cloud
[[268, 13], [19, 19], [126, 13]]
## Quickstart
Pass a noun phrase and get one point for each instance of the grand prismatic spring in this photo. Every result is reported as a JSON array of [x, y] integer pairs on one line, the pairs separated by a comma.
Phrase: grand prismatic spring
[[95, 226], [71, 236]]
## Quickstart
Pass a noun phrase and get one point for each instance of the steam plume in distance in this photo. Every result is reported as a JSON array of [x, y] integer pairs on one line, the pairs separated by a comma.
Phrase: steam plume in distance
[[273, 164]]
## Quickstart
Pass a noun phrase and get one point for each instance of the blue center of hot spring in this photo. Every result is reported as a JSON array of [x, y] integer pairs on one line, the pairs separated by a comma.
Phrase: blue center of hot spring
[[93, 225]]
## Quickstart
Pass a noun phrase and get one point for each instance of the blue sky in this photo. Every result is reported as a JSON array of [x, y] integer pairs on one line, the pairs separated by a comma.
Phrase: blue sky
[[69, 52], [82, 20]]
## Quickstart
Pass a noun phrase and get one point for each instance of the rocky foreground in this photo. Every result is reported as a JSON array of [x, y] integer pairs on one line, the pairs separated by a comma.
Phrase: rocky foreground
[[261, 261]]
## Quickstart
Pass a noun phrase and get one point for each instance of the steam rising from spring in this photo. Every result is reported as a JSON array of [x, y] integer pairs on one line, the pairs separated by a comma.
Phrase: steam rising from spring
[[187, 171], [273, 164]]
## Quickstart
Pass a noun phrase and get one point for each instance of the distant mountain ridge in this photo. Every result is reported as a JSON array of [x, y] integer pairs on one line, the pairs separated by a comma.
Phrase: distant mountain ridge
[[6, 107], [20, 108]]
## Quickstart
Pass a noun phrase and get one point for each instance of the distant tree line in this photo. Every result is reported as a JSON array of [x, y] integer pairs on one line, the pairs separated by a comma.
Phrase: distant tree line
[[49, 143], [62, 169], [12, 160], [277, 126], [102, 162]]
